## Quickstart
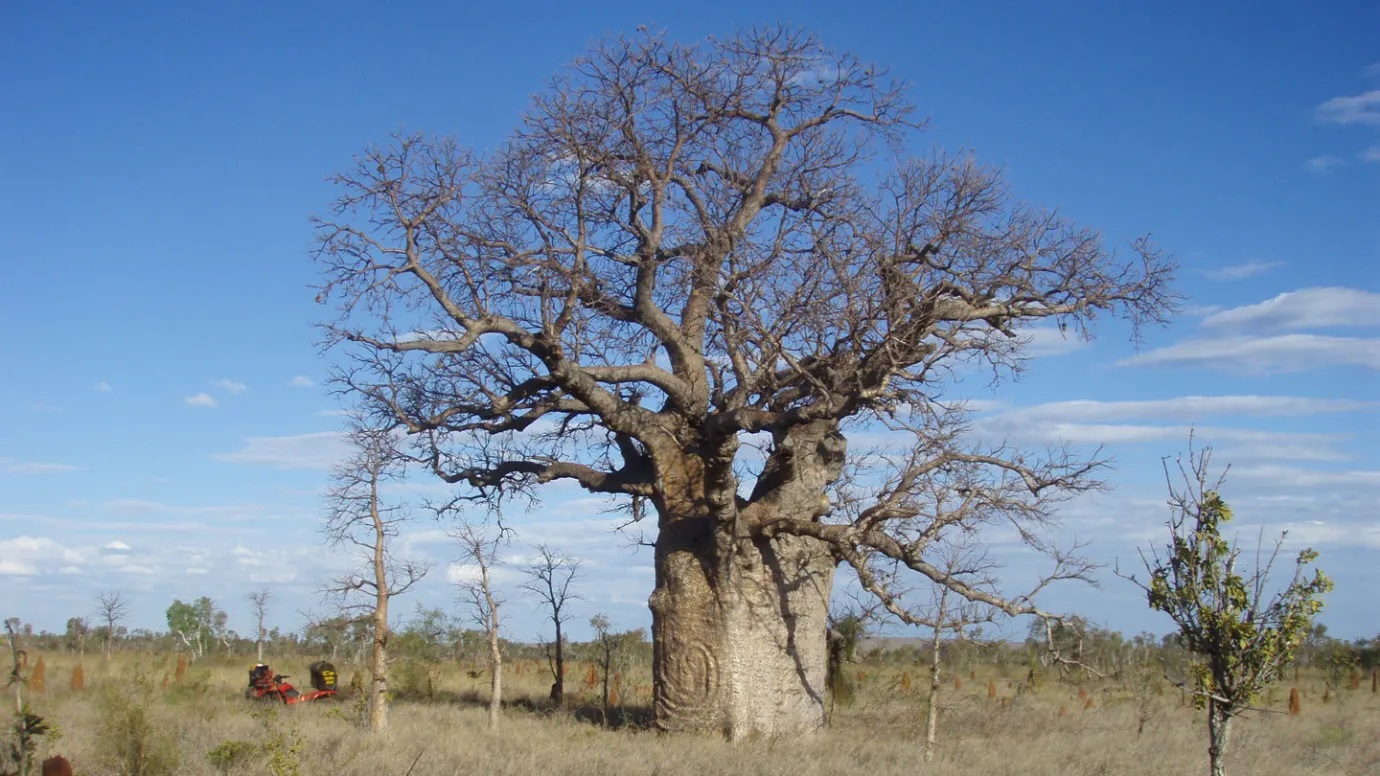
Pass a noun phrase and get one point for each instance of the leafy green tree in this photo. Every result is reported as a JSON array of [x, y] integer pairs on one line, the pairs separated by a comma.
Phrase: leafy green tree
[[197, 624], [75, 637], [1241, 634]]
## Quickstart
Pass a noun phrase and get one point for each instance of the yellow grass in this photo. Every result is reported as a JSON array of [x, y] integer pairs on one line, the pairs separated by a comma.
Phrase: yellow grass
[[1025, 733]]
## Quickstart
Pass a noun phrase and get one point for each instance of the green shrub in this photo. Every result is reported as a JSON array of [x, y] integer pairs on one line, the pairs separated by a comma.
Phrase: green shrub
[[132, 743], [228, 754]]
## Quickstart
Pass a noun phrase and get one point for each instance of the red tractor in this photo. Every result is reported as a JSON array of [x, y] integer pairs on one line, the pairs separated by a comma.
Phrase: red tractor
[[264, 685]]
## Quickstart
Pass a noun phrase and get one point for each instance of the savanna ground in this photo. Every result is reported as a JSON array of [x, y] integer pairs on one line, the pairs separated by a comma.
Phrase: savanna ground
[[133, 706]]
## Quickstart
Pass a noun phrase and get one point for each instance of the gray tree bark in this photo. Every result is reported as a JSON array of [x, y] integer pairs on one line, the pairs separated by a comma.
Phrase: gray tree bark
[[1219, 732]]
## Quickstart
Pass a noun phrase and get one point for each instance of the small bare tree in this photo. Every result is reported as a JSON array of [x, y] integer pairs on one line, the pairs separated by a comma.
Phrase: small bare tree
[[479, 546], [1242, 630], [613, 652], [549, 578], [361, 520], [955, 615], [259, 600], [113, 607]]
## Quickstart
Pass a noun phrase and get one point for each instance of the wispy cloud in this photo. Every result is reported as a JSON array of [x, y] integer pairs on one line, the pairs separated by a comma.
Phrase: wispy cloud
[[22, 468], [103, 387], [1297, 477], [202, 399], [1308, 308], [1184, 408], [1324, 164], [1239, 443], [301, 381], [1049, 341], [1249, 338], [1360, 109], [1370, 155], [1278, 354], [320, 450], [1244, 270], [230, 386]]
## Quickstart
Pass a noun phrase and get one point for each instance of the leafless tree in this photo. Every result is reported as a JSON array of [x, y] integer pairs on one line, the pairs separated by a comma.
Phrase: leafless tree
[[113, 607], [613, 652], [949, 616], [679, 285], [479, 549], [361, 520], [259, 600], [549, 578]]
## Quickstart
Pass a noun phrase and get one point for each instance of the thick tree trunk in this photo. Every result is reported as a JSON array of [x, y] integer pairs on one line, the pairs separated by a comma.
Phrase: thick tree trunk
[[745, 659], [740, 642], [739, 621]]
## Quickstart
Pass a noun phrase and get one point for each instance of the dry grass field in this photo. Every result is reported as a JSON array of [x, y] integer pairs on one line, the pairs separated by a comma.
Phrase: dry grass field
[[1058, 729]]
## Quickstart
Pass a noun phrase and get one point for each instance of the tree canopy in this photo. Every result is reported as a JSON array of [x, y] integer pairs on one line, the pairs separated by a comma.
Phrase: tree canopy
[[687, 278]]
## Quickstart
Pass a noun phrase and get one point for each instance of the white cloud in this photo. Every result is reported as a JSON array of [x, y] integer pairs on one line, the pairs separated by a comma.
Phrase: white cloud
[[14, 568], [103, 387], [40, 552], [301, 381], [1308, 308], [1265, 355], [1315, 533], [1245, 270], [202, 399], [1184, 408], [11, 466], [1322, 165], [230, 386], [984, 405], [1050, 341], [1370, 155], [1295, 477], [1239, 443], [320, 450], [116, 546], [1200, 310], [1360, 109]]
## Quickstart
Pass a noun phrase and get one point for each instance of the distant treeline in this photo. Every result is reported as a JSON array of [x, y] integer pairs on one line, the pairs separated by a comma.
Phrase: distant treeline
[[434, 636]]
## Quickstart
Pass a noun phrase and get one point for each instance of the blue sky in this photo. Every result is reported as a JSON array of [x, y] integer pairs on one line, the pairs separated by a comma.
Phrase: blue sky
[[165, 430]]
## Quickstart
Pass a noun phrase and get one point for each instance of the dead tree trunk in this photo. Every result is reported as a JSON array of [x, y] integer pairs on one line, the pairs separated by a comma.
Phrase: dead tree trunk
[[378, 663], [932, 703]]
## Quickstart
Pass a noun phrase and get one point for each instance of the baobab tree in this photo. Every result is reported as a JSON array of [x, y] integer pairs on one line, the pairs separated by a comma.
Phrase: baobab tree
[[684, 282], [362, 520]]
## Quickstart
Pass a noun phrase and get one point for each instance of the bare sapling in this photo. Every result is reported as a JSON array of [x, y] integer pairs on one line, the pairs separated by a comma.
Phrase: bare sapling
[[363, 522], [112, 609], [549, 578], [259, 600], [479, 546]]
